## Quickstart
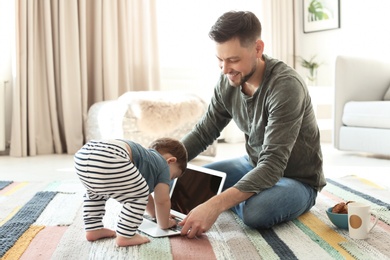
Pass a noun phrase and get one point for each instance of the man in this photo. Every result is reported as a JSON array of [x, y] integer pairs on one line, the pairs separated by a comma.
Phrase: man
[[279, 178]]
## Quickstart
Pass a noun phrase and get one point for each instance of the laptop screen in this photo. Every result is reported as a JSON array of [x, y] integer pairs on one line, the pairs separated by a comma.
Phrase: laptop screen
[[194, 188]]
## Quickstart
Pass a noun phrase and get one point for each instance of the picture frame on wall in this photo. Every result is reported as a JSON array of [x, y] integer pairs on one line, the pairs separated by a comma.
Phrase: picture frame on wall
[[321, 15]]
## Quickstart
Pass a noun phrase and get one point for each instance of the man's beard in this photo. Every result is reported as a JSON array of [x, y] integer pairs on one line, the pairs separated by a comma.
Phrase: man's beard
[[244, 78], [248, 76]]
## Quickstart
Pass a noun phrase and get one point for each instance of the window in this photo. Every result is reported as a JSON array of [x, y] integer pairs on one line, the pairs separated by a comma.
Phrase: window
[[187, 56]]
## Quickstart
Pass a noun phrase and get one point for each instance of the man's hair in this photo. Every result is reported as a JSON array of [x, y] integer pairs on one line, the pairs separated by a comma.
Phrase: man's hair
[[236, 24], [174, 147]]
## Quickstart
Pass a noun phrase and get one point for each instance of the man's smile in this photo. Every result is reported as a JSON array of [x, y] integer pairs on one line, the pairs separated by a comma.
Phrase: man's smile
[[233, 75]]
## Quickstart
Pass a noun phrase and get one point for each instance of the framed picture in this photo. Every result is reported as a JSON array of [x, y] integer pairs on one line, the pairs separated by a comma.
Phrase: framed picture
[[320, 15]]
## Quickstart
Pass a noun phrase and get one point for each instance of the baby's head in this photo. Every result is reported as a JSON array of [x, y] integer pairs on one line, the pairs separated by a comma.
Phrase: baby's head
[[175, 148]]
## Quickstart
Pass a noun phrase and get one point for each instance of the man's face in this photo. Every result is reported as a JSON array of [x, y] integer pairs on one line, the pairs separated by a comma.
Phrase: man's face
[[236, 62]]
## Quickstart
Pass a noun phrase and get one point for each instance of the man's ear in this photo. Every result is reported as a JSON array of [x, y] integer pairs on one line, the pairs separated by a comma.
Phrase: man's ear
[[171, 160], [259, 48]]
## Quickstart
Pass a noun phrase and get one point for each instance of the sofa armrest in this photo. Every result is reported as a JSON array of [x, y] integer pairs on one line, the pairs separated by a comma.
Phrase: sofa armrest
[[357, 79]]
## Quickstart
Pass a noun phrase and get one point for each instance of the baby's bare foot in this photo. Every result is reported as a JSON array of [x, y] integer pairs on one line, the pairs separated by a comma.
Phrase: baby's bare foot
[[137, 239], [94, 235]]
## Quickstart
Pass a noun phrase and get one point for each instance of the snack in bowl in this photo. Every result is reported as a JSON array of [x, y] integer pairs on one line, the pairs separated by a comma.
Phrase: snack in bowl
[[341, 208], [338, 214]]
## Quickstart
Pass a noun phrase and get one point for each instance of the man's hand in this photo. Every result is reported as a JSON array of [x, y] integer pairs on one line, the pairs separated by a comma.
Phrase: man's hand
[[199, 220]]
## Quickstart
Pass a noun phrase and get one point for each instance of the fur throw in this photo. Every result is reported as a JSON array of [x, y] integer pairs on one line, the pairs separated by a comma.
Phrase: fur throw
[[159, 113]]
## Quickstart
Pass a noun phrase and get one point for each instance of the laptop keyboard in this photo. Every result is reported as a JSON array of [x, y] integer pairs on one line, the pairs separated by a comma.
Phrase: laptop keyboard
[[150, 218], [175, 228]]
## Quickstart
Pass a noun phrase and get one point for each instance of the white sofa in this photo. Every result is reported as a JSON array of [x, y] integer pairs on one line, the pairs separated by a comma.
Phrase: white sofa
[[362, 105]]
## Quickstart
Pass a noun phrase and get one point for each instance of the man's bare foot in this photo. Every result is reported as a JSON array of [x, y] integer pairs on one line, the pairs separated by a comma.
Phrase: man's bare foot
[[94, 235], [137, 239]]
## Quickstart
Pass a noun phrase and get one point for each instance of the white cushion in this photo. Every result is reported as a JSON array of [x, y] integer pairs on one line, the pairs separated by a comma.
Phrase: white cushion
[[364, 139], [367, 114]]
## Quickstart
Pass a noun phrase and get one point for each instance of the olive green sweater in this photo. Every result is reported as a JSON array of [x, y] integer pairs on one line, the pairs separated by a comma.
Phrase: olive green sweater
[[281, 133]]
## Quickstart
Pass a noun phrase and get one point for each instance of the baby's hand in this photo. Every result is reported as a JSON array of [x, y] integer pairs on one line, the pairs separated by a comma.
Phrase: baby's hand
[[172, 222]]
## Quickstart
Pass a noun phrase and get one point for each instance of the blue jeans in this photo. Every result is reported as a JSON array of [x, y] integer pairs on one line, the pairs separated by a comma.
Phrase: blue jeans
[[285, 201]]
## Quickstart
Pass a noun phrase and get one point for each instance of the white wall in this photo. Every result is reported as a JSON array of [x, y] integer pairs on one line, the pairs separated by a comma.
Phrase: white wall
[[365, 31]]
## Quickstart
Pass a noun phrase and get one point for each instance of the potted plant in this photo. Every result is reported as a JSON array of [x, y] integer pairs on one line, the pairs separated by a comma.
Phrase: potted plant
[[312, 66]]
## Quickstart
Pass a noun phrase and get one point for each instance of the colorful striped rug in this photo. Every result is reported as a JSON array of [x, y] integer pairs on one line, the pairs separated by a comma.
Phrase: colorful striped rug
[[49, 226]]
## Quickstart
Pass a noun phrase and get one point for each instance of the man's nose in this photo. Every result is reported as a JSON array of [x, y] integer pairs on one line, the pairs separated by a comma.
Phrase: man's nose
[[224, 68]]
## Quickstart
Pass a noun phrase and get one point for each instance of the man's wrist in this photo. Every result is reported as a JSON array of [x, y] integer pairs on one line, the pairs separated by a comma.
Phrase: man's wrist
[[228, 199]]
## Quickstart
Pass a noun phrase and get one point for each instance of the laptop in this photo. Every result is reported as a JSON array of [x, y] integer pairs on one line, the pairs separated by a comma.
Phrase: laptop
[[196, 186]]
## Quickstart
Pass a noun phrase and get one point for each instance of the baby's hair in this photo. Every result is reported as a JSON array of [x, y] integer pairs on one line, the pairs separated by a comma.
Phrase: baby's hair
[[174, 147]]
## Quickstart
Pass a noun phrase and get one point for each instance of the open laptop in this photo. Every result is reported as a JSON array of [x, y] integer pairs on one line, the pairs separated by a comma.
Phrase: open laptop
[[196, 186]]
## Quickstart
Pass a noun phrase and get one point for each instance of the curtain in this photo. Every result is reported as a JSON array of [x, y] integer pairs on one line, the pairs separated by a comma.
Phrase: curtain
[[71, 54], [278, 25]]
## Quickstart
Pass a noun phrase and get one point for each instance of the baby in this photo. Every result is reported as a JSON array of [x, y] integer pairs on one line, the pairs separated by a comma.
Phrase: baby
[[129, 173]]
